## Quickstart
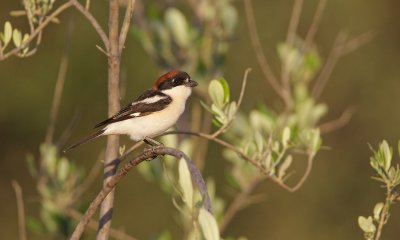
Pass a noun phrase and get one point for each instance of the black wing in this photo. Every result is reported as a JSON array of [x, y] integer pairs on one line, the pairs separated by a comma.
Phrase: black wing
[[140, 107]]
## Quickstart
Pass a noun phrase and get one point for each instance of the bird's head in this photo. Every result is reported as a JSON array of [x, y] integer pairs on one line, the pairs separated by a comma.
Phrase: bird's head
[[172, 79]]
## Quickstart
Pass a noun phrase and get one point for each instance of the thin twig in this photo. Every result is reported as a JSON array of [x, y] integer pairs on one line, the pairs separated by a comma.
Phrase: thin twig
[[290, 37], [355, 43], [327, 69], [384, 212], [58, 90], [85, 12], [337, 123], [115, 233], [261, 59], [114, 180], [21, 210], [294, 22], [307, 172], [126, 24], [239, 102], [238, 203], [314, 24], [89, 180]]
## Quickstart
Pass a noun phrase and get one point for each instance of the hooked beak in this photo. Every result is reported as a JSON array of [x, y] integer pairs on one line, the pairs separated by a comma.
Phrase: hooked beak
[[191, 83]]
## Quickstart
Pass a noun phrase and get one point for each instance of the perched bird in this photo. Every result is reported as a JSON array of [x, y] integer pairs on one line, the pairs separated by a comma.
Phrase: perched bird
[[152, 113]]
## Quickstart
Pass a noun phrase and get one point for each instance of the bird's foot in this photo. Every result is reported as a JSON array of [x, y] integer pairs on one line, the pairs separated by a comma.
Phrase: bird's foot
[[153, 145]]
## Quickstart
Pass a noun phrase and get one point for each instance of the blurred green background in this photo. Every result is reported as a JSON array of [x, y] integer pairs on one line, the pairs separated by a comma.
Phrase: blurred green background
[[339, 188]]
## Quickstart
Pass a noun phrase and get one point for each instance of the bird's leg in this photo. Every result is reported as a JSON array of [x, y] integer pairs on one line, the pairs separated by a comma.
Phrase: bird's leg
[[153, 144]]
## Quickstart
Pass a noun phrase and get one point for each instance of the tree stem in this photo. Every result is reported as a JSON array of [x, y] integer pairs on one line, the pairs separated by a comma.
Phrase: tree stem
[[113, 106]]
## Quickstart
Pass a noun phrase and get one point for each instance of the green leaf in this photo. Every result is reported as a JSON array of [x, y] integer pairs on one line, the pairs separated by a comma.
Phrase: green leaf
[[208, 225], [284, 166], [285, 136], [225, 86], [7, 33], [377, 211], [366, 224], [185, 183], [216, 92], [17, 37], [387, 154], [63, 169], [177, 25]]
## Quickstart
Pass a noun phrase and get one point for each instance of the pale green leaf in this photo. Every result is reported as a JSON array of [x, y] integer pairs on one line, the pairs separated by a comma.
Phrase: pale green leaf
[[377, 211], [17, 37], [284, 166], [185, 183], [177, 25], [225, 86], [387, 154], [216, 92], [7, 33], [63, 169], [285, 136], [366, 224], [208, 225]]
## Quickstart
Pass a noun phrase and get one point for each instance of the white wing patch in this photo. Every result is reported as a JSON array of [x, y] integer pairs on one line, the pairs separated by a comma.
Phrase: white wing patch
[[150, 100], [137, 114]]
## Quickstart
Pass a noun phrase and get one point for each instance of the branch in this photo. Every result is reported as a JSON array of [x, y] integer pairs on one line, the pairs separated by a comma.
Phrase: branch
[[114, 180], [294, 21], [126, 24], [38, 30], [337, 123], [252, 161], [238, 203], [290, 37], [261, 59], [114, 64], [115, 233], [58, 90], [21, 210], [85, 12], [314, 24]]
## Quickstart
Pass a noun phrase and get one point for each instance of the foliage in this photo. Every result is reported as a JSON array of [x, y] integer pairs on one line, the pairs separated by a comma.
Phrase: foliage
[[389, 176], [58, 184]]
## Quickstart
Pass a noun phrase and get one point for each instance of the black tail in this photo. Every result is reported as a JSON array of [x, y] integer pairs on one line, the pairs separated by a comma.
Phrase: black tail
[[85, 140]]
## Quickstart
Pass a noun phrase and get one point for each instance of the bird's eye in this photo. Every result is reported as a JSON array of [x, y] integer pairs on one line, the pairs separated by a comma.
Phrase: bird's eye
[[173, 80], [187, 80]]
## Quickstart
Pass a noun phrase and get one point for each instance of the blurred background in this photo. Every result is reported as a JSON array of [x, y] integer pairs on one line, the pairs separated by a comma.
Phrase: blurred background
[[339, 188]]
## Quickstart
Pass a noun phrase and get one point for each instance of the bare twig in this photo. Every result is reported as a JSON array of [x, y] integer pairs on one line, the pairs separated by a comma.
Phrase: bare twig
[[327, 69], [85, 12], [238, 203], [307, 172], [290, 37], [115, 233], [337, 123], [62, 72], [355, 43], [114, 180], [314, 24], [125, 25], [294, 21], [384, 212], [21, 210], [261, 59]]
